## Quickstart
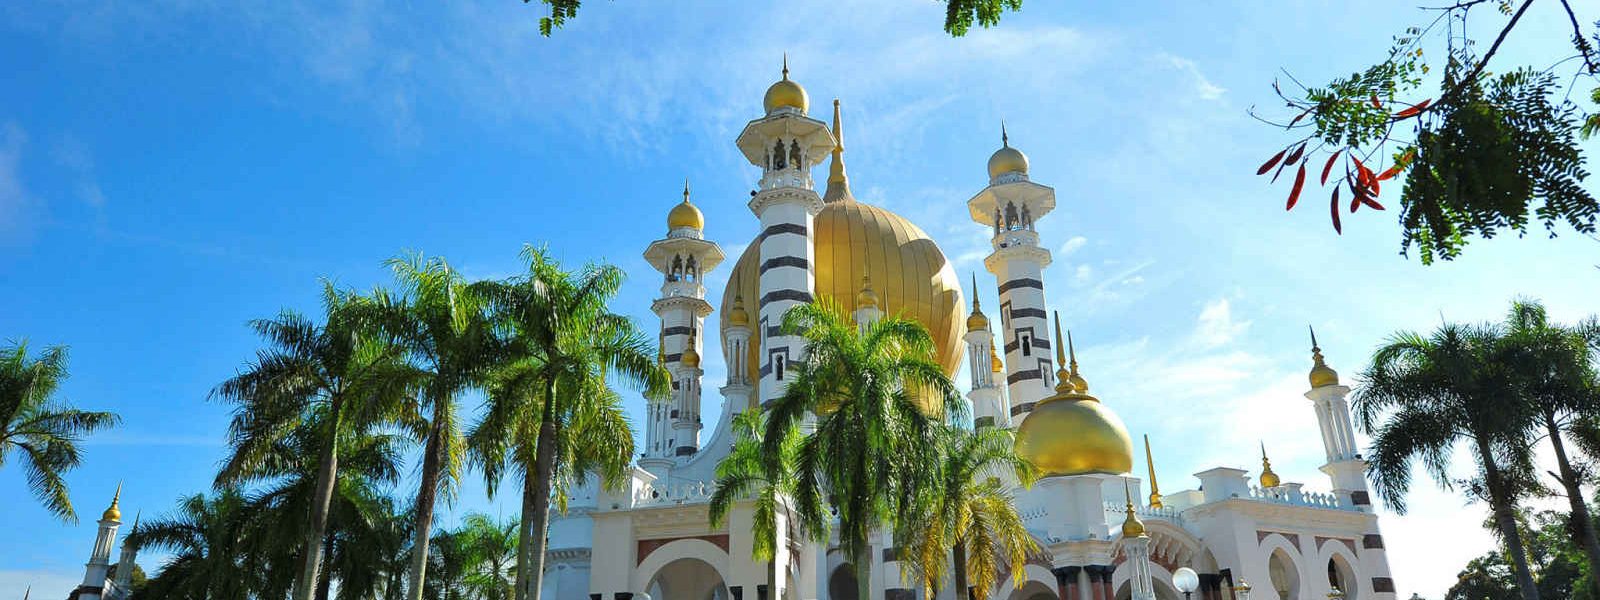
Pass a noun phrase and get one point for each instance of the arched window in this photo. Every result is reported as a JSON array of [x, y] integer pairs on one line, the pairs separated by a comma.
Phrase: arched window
[[1284, 578], [1027, 345], [777, 366], [1341, 576]]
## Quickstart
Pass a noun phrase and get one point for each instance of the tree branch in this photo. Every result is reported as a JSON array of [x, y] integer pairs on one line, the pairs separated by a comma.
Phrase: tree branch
[[1484, 62], [1581, 42]]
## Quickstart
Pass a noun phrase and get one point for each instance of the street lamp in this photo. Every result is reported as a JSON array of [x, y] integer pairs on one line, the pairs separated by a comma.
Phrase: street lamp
[[1186, 580], [1242, 591], [1336, 594]]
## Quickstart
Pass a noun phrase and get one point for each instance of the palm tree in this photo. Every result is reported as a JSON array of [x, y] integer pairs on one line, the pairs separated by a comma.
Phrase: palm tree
[[1554, 372], [973, 520], [449, 558], [45, 430], [746, 471], [565, 343], [1424, 394], [880, 398], [450, 344], [492, 548], [208, 546], [344, 374]]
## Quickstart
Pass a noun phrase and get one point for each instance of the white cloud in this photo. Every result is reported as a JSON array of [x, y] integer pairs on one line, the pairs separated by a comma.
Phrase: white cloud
[[1217, 326], [1201, 85], [1073, 244]]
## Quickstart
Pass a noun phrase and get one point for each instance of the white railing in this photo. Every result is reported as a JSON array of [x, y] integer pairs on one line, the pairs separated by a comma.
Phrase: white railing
[[687, 492], [1165, 513], [1295, 497]]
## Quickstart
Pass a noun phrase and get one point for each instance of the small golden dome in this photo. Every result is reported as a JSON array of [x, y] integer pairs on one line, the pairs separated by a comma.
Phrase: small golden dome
[[1007, 159], [977, 322], [1321, 374], [786, 93], [690, 357], [1132, 527], [1072, 433], [1268, 478], [994, 359], [114, 512], [685, 214], [737, 315], [866, 297]]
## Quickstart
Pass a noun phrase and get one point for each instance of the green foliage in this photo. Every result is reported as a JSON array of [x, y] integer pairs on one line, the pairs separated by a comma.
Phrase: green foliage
[[747, 471], [1559, 563], [39, 428], [1494, 154], [960, 15]]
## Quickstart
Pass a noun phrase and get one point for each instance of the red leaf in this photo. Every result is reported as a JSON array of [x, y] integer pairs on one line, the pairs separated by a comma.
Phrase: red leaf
[[1389, 174], [1355, 200], [1375, 102], [1299, 182], [1333, 207], [1271, 162], [1329, 167], [1297, 118], [1414, 110], [1294, 157], [1372, 202]]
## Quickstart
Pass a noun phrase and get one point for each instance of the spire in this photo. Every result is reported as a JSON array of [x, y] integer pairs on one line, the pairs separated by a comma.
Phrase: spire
[[1268, 478], [1321, 374], [838, 182], [975, 307], [1005, 141], [785, 66], [1078, 382], [686, 190], [114, 512], [1132, 527], [1150, 463], [1063, 377]]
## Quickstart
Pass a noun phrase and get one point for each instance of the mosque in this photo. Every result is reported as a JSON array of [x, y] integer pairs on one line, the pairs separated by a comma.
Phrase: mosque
[[1103, 535]]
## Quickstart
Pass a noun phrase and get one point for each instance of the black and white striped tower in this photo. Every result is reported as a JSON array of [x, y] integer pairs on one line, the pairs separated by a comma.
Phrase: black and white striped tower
[[786, 144], [1009, 206], [684, 256]]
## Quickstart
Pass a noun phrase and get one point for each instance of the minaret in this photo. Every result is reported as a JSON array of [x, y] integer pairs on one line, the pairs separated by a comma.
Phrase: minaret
[[1009, 206], [1345, 467], [736, 346], [94, 576], [988, 400], [1269, 480], [786, 144], [125, 563], [1136, 548], [683, 257], [867, 311]]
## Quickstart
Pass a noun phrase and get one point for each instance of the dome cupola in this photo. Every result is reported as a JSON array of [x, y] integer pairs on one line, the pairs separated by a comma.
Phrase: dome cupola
[[1071, 432], [1321, 374], [786, 94], [685, 214], [1007, 159]]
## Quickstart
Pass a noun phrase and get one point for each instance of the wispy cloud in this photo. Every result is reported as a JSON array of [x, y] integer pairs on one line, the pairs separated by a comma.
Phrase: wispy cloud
[[15, 200], [1200, 85]]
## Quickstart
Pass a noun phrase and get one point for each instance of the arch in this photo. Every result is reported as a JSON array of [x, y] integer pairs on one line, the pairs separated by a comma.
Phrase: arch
[[842, 583], [673, 554], [1037, 579], [1283, 576], [1335, 560], [1159, 575]]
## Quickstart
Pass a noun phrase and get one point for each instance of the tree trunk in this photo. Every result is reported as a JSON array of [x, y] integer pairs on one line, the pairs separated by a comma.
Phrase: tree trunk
[[1506, 521], [327, 471], [325, 581], [427, 493], [525, 535], [543, 469], [863, 568], [958, 556], [1582, 525]]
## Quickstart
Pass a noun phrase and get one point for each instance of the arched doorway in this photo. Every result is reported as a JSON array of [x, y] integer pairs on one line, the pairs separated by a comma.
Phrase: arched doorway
[[1343, 577], [687, 579], [1285, 579], [842, 583]]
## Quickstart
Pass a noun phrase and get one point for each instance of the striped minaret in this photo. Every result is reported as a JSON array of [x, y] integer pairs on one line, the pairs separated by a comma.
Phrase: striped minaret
[[1009, 206], [786, 144], [684, 256]]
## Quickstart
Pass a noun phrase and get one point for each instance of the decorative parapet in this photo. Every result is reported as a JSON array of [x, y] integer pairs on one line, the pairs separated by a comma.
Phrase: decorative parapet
[[1165, 513], [666, 493], [1292, 495]]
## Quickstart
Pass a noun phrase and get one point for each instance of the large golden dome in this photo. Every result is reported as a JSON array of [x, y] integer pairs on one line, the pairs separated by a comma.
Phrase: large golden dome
[[910, 275]]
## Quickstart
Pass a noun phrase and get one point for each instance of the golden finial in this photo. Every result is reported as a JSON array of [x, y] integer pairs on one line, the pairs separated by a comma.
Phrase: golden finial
[[838, 189], [866, 297], [786, 66], [1078, 382], [1132, 527], [1321, 374], [114, 512], [838, 129], [691, 357], [686, 190], [976, 321], [974, 291], [1005, 141], [1150, 463], [1063, 377], [1268, 478]]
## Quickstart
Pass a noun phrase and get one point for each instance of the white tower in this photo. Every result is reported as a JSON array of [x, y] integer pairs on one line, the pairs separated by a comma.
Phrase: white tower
[[94, 576], [736, 346], [989, 407], [1009, 206], [1345, 467], [683, 258], [786, 144], [125, 563]]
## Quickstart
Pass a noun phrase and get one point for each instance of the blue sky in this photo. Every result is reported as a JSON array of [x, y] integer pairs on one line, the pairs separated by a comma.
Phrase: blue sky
[[170, 170]]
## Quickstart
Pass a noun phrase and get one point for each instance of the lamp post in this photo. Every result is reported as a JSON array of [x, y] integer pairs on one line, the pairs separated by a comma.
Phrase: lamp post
[[1186, 580], [1336, 594], [1242, 591]]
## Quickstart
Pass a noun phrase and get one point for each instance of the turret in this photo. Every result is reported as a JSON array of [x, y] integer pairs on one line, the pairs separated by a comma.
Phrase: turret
[[989, 407]]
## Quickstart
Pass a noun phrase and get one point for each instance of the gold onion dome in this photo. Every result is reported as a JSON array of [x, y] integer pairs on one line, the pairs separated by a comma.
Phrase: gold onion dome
[[1268, 478], [1072, 433], [114, 512], [1132, 527], [976, 321], [866, 297], [685, 214], [738, 315], [1007, 159], [690, 357], [786, 94], [1321, 374], [994, 359]]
